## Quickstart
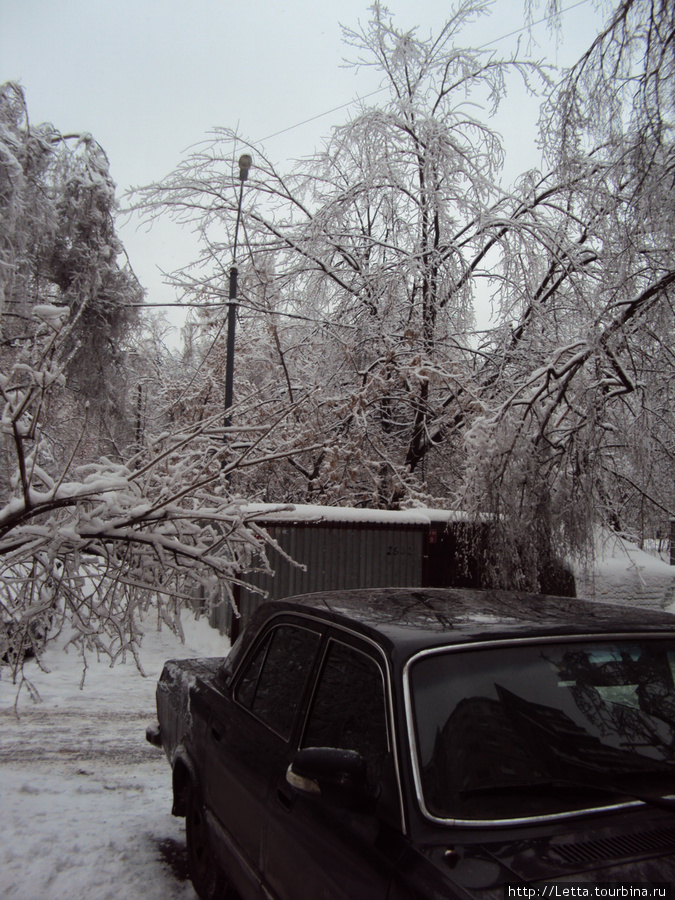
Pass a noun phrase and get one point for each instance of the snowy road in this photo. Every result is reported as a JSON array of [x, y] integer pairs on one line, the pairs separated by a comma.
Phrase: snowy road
[[85, 800]]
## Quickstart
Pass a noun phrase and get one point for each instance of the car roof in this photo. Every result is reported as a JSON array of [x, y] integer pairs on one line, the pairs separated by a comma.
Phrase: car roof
[[412, 618]]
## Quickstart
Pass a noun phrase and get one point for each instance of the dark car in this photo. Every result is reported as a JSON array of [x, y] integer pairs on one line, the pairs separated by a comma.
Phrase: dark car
[[413, 743]]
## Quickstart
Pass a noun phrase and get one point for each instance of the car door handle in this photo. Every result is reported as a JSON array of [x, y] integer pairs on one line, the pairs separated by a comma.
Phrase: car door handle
[[285, 796]]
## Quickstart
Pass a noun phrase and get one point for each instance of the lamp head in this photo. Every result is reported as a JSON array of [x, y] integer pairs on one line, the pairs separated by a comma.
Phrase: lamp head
[[245, 163]]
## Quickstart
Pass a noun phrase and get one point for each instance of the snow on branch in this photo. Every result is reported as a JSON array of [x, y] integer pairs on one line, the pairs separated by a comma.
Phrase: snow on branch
[[87, 546]]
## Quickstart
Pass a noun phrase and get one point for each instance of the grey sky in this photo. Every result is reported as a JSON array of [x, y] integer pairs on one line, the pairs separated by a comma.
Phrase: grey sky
[[148, 78]]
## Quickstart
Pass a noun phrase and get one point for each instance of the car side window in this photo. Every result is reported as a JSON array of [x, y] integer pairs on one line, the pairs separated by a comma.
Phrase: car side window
[[273, 681], [348, 709]]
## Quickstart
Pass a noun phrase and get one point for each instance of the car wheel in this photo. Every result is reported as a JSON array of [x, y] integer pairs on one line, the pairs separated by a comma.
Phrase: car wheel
[[207, 878]]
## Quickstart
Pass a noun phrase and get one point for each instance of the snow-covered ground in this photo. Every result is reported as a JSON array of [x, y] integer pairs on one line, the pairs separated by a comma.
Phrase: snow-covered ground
[[85, 801], [623, 573]]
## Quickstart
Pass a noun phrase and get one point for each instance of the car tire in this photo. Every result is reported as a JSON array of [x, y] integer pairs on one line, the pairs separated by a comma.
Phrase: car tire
[[206, 875]]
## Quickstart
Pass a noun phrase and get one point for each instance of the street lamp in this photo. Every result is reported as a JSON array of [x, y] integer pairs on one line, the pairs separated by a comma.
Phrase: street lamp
[[245, 163]]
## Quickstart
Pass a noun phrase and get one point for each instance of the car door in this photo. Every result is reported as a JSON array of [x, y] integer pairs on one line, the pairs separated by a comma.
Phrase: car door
[[247, 741], [317, 849]]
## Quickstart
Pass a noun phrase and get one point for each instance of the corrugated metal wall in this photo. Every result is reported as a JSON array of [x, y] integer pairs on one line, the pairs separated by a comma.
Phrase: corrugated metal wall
[[336, 557]]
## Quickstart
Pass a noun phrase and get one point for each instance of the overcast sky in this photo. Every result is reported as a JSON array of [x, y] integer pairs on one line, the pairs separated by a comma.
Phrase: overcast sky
[[148, 78]]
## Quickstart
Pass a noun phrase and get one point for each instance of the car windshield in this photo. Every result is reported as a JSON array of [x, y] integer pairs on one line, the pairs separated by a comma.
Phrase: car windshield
[[543, 729]]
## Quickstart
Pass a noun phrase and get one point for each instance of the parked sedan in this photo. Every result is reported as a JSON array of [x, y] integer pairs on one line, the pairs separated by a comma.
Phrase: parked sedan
[[397, 744]]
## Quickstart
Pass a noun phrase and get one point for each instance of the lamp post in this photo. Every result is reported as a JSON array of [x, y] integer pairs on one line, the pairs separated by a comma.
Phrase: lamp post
[[245, 163]]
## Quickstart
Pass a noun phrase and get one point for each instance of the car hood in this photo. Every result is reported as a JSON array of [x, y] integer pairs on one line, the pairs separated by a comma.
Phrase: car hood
[[645, 854]]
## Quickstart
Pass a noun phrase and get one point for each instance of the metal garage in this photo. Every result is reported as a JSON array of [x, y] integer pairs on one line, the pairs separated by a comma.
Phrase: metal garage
[[339, 548]]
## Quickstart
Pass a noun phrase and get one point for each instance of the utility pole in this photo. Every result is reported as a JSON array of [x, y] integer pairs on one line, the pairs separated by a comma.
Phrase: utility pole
[[245, 163]]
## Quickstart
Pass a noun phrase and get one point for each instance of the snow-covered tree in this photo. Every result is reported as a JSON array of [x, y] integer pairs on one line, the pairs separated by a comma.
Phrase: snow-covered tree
[[365, 264], [88, 540], [577, 422], [58, 244], [87, 547]]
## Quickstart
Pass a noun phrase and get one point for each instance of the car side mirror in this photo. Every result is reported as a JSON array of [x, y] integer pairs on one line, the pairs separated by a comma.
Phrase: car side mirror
[[339, 776]]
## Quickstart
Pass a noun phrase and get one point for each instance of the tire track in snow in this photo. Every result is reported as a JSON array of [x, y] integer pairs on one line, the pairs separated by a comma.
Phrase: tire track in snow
[[74, 735]]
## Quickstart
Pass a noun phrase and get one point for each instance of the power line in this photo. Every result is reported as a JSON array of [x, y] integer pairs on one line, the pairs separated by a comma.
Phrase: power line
[[328, 112], [381, 90], [359, 99], [532, 24]]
